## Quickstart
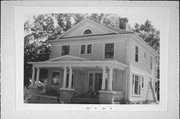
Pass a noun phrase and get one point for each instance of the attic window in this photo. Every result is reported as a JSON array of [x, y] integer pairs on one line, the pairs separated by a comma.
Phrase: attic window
[[87, 32]]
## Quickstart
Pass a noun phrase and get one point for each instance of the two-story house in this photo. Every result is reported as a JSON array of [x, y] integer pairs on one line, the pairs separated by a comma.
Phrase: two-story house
[[92, 61]]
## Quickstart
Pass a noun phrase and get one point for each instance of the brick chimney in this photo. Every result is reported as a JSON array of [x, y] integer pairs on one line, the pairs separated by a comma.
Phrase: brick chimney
[[123, 22]]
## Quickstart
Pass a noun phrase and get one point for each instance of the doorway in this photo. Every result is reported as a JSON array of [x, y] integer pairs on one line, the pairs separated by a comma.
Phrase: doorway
[[95, 82]]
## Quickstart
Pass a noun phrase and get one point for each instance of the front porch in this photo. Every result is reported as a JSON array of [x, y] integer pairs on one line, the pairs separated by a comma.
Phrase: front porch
[[87, 82]]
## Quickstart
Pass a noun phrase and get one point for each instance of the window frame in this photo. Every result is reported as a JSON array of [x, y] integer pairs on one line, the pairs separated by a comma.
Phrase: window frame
[[139, 85], [83, 49], [151, 62], [62, 50], [52, 78], [87, 33], [142, 82], [136, 53], [86, 49], [109, 51]]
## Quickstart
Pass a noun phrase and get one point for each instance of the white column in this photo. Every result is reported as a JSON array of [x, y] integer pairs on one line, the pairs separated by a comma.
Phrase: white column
[[37, 76], [33, 74], [64, 78], [70, 77], [103, 78], [110, 78]]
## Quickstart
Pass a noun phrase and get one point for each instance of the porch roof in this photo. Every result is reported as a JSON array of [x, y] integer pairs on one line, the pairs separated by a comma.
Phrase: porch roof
[[79, 63]]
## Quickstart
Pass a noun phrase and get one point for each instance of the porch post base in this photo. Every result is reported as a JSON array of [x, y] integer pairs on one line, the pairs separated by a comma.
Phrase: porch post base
[[66, 94], [106, 97]]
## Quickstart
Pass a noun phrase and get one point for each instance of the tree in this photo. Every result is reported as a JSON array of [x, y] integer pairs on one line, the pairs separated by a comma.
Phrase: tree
[[149, 34], [34, 48]]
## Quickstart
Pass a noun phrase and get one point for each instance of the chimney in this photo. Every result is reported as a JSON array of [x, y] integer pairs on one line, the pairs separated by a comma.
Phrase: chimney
[[123, 22]]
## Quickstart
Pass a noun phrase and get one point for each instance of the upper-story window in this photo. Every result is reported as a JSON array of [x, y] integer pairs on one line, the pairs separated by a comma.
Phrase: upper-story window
[[136, 53], [65, 50], [109, 50], [88, 31], [150, 63], [83, 49], [142, 82], [86, 49], [89, 49]]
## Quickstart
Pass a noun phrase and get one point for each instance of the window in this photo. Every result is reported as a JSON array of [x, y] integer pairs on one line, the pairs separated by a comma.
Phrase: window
[[56, 78], [142, 82], [150, 63], [83, 47], [136, 54], [65, 50], [136, 84], [88, 31], [109, 51], [86, 49], [89, 49]]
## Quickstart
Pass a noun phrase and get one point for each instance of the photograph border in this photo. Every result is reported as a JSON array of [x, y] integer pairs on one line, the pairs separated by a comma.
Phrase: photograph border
[[20, 8], [21, 11]]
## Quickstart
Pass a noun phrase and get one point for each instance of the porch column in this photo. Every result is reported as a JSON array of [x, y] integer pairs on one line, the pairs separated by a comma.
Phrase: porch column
[[33, 74], [103, 78], [110, 78], [64, 77], [70, 77], [37, 76]]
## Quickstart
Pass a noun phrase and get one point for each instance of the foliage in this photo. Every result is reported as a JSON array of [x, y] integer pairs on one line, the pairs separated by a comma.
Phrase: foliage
[[34, 47], [148, 33], [27, 94]]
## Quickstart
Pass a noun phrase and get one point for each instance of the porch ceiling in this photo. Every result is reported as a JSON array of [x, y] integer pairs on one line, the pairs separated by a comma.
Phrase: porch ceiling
[[113, 64]]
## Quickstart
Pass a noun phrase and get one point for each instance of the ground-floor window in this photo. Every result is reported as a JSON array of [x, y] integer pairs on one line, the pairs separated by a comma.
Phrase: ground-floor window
[[56, 78], [137, 84]]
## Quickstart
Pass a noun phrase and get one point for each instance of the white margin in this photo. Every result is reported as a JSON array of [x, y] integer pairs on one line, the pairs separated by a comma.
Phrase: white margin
[[19, 34]]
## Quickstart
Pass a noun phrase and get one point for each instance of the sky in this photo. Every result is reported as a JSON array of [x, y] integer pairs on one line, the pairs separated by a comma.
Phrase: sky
[[135, 15]]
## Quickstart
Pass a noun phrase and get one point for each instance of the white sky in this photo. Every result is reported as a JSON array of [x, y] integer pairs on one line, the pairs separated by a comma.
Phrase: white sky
[[134, 14]]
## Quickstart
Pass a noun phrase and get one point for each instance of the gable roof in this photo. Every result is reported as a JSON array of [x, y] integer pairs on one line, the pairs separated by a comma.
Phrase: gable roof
[[89, 20]]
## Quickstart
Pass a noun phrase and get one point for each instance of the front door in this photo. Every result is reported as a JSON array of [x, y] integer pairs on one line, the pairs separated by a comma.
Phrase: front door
[[95, 80], [98, 82]]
